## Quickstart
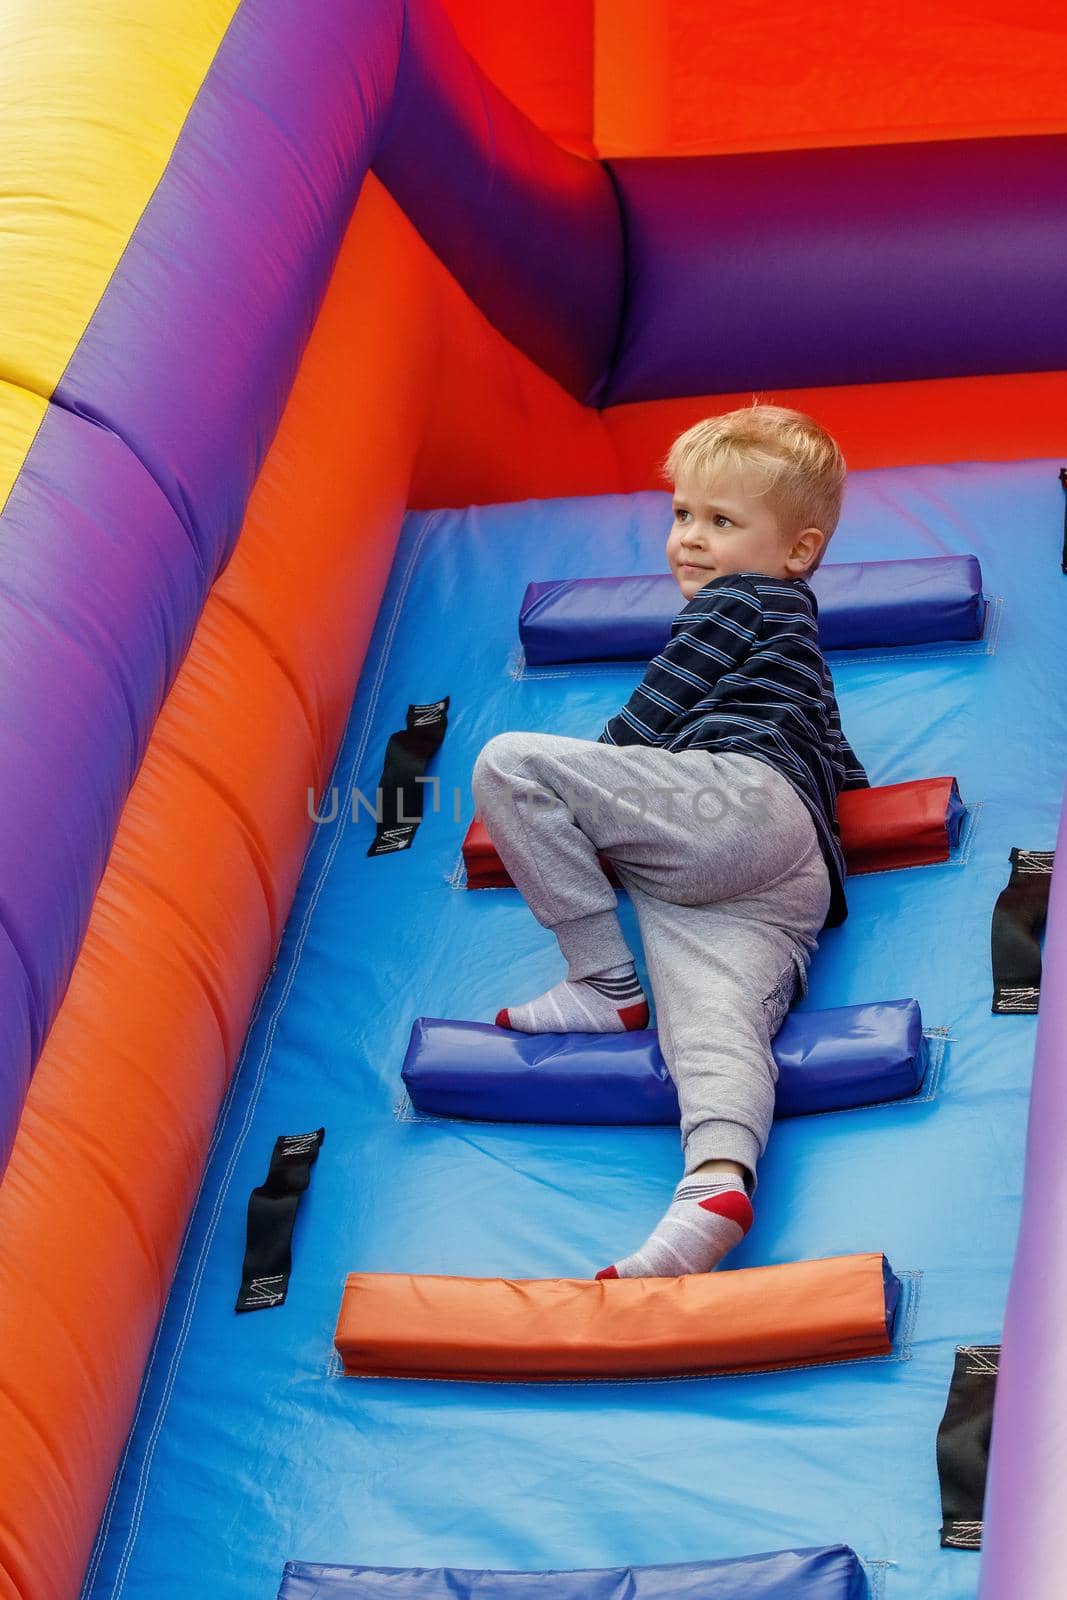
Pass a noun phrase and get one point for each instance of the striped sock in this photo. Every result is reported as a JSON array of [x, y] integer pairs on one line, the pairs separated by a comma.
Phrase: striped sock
[[611, 1001], [706, 1218]]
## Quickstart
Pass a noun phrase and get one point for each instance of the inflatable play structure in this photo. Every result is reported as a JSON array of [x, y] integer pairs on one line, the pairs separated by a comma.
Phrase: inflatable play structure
[[328, 331]]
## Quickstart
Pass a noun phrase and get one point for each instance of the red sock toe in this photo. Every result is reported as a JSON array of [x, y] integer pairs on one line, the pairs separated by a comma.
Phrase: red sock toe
[[502, 1018], [732, 1204], [608, 1272], [635, 1016]]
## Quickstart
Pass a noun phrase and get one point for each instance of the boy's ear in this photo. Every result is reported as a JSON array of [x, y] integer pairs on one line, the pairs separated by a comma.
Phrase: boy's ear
[[806, 549]]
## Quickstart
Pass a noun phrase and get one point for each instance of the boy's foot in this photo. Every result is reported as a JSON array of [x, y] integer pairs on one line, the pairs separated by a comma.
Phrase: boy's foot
[[707, 1217], [611, 1001]]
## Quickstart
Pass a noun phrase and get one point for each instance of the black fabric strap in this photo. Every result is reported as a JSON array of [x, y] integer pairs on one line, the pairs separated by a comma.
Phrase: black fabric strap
[[271, 1214], [1063, 485], [963, 1444], [400, 793], [1015, 936]]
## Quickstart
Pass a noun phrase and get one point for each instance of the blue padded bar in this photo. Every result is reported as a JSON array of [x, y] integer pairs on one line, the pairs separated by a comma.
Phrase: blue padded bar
[[862, 605], [955, 817], [827, 1061], [832, 1573]]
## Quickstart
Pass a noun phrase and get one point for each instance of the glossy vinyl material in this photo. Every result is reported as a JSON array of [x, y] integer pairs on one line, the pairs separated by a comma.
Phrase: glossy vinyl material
[[861, 605], [182, 180], [900, 824], [248, 1451], [395, 1325], [902, 261], [831, 74], [834, 1574], [827, 1061], [996, 417], [196, 591], [173, 228], [532, 232]]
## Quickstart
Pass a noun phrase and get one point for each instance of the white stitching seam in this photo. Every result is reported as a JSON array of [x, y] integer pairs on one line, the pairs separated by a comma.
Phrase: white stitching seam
[[877, 1571]]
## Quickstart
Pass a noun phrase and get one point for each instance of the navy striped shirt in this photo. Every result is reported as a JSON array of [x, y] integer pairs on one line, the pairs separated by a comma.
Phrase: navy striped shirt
[[743, 671]]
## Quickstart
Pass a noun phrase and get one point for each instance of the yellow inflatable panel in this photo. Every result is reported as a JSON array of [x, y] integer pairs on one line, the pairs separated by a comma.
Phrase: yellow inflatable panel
[[20, 416], [93, 95]]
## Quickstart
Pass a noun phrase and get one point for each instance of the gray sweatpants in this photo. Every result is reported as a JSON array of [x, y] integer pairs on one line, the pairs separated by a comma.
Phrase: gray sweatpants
[[721, 860]]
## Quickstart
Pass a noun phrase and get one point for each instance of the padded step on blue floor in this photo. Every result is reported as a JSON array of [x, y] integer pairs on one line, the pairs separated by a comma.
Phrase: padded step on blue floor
[[827, 1061], [862, 604], [833, 1573]]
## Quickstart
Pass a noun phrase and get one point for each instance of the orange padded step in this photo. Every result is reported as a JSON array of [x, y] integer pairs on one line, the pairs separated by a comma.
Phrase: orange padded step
[[397, 1325]]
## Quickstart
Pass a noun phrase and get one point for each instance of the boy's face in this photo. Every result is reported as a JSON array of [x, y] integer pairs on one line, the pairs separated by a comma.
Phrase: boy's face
[[725, 524]]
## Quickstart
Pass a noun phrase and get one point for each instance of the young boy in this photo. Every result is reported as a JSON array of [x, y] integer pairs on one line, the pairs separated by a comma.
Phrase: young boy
[[713, 793]]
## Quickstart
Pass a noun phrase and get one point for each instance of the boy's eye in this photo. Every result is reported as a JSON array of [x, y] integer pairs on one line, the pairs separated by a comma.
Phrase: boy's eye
[[720, 519]]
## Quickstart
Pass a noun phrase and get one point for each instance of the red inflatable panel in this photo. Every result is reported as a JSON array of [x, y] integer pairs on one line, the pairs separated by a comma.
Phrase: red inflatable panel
[[895, 825]]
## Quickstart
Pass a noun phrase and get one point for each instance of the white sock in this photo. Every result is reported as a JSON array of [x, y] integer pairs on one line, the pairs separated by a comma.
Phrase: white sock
[[706, 1218], [611, 1001]]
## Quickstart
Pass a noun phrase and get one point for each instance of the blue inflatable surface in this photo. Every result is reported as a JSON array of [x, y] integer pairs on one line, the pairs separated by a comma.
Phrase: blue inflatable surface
[[249, 1450]]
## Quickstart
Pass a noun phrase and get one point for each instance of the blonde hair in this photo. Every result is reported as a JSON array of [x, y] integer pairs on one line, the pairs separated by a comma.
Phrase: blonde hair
[[803, 467]]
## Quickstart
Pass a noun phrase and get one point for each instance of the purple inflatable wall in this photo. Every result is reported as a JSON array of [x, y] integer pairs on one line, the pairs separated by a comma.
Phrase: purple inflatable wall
[[811, 267]]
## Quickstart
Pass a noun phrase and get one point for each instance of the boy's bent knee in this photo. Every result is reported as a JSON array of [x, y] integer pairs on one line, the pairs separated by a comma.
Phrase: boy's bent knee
[[503, 753]]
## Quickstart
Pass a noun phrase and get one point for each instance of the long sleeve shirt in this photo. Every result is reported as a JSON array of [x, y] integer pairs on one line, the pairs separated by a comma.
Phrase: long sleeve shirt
[[743, 671]]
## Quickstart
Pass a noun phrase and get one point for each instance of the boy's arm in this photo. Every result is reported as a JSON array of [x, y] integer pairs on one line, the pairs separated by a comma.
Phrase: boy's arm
[[710, 637], [855, 776]]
